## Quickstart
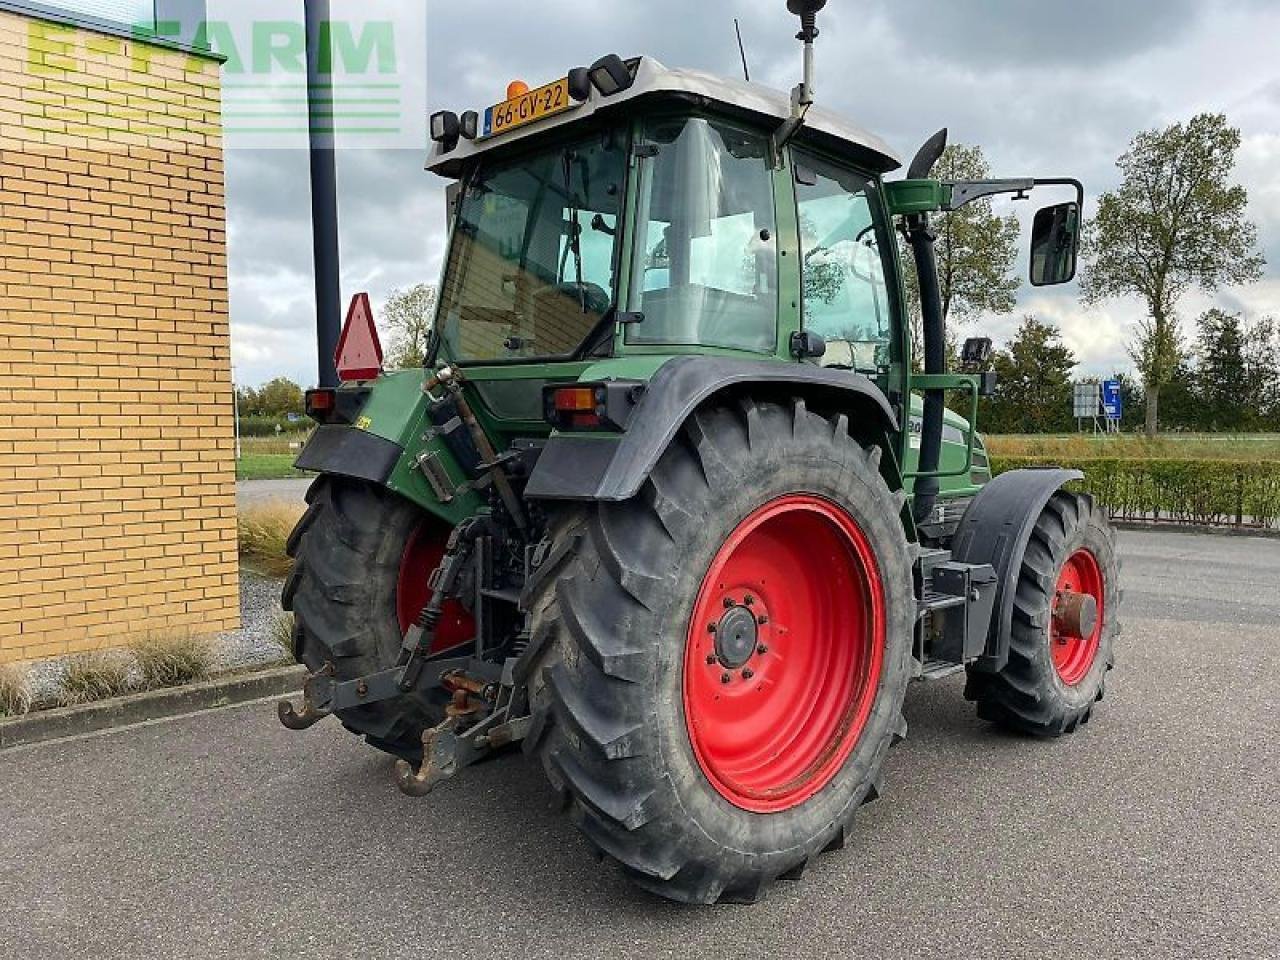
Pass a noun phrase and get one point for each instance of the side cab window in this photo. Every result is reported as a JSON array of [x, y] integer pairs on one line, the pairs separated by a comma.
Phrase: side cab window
[[844, 274]]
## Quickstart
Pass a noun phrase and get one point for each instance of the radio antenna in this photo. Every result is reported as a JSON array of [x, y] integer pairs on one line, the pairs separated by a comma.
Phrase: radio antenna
[[746, 70]]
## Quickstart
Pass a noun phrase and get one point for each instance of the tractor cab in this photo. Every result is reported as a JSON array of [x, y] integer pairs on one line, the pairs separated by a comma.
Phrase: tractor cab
[[655, 213]]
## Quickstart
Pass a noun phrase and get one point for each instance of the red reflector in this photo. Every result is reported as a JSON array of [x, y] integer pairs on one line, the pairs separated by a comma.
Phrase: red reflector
[[582, 421], [359, 353], [576, 400]]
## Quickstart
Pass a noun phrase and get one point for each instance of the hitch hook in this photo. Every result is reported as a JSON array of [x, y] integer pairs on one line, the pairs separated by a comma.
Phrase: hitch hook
[[439, 760], [310, 714]]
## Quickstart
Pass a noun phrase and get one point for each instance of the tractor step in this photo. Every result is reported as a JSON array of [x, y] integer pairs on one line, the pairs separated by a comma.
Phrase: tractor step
[[939, 670]]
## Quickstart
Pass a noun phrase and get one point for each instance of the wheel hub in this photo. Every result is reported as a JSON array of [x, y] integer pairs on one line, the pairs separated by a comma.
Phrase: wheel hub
[[736, 637], [1079, 605], [1077, 615]]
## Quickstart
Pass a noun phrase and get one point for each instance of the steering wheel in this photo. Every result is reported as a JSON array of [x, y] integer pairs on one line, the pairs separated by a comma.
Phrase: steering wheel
[[595, 297]]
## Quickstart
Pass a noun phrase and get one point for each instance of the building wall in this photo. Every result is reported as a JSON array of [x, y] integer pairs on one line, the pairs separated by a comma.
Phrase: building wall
[[117, 476]]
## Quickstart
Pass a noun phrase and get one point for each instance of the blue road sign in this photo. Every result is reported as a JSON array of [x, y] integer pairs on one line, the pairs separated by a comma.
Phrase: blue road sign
[[1112, 401]]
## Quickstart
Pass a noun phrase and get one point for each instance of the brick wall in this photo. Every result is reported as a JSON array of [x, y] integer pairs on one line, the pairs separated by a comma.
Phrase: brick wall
[[117, 484]]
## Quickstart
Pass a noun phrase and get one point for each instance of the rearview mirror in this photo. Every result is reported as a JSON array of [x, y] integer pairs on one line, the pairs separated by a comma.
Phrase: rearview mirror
[[1055, 245]]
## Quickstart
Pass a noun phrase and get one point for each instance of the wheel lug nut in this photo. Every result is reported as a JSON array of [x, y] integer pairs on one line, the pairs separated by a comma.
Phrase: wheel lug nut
[[762, 619], [711, 628], [762, 649], [729, 603], [749, 600], [711, 659], [725, 678], [748, 674]]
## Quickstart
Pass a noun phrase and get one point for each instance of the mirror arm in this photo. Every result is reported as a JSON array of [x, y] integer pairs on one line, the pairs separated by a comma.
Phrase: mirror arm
[[966, 191]]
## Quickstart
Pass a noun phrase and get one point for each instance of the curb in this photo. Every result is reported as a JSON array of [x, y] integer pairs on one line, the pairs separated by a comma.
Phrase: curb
[[64, 722], [1173, 527]]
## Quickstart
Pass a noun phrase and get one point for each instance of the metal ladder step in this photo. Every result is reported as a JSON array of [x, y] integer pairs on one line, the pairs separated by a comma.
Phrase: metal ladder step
[[940, 670]]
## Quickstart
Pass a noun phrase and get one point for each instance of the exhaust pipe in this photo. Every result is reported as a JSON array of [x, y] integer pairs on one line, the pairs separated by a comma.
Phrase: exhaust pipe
[[922, 240]]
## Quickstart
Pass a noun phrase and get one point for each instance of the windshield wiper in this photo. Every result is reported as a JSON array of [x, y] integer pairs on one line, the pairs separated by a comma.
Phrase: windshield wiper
[[575, 227]]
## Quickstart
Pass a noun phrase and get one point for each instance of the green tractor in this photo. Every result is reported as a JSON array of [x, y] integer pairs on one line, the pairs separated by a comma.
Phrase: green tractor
[[668, 504]]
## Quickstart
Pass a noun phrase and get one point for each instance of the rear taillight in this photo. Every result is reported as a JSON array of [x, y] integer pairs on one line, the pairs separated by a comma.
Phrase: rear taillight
[[592, 406], [580, 408], [321, 403]]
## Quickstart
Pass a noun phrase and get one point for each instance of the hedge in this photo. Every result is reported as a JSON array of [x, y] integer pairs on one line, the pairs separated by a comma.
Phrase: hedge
[[1208, 492], [266, 426]]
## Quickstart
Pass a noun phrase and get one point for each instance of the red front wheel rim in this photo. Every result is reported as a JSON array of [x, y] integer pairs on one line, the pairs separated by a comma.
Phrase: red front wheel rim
[[784, 653], [1074, 639]]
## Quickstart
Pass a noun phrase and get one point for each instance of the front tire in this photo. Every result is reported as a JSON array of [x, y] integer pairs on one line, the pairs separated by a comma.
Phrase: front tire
[[705, 765], [1062, 638]]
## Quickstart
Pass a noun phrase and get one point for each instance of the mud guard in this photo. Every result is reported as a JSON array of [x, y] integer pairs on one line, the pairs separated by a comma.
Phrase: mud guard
[[613, 468], [996, 530], [348, 452]]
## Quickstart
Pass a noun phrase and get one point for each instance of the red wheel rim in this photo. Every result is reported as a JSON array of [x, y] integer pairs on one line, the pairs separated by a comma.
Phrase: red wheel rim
[[1074, 644], [772, 730], [422, 554]]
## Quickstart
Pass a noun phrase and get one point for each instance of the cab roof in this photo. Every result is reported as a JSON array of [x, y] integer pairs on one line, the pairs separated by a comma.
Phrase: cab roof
[[654, 82]]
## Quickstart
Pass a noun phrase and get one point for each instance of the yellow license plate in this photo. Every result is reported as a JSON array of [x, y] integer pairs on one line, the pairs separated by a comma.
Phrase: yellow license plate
[[530, 107]]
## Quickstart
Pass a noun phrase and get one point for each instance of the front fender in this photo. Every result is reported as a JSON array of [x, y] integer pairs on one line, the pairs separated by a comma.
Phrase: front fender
[[996, 530], [602, 467]]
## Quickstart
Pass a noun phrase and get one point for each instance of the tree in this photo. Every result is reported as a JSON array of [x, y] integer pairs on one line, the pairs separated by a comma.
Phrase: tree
[[408, 315], [1174, 223], [1262, 369], [279, 398], [1221, 379], [1236, 377], [1033, 387], [976, 250]]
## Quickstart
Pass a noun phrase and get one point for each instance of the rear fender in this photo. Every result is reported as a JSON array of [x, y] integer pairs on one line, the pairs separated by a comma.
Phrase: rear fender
[[602, 467], [996, 530], [384, 445]]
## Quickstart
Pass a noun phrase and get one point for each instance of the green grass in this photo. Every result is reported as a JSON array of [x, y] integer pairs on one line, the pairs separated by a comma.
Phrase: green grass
[[268, 466], [1187, 446]]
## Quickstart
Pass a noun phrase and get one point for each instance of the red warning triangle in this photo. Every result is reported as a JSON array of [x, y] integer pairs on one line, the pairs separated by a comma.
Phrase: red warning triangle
[[359, 354]]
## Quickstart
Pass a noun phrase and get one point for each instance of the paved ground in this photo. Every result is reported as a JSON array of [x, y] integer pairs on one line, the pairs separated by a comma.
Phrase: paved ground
[[1154, 833], [250, 493]]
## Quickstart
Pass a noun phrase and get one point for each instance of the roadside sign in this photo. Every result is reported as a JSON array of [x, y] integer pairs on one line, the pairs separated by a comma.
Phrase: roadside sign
[[1088, 400], [1112, 401]]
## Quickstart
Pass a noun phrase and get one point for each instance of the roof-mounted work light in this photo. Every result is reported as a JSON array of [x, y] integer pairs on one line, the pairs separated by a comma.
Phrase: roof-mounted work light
[[445, 128], [470, 124], [610, 75], [580, 83]]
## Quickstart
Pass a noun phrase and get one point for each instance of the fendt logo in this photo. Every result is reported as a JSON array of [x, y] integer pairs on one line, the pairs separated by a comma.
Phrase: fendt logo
[[371, 89]]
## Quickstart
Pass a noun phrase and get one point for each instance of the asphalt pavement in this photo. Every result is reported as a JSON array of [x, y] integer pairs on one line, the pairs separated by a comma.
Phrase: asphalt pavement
[[1155, 832]]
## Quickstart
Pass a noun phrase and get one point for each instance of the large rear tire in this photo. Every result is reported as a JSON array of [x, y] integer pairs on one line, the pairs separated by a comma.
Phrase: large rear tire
[[362, 557], [724, 658], [1062, 640]]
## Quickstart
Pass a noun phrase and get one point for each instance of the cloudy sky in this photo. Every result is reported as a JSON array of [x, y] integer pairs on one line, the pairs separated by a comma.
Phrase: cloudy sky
[[1047, 89]]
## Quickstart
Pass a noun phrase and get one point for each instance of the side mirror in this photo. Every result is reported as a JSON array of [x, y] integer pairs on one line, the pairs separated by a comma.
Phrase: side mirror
[[1055, 245]]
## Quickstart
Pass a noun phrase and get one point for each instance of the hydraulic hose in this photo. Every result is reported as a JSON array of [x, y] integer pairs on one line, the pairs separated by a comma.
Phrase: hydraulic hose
[[922, 241]]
